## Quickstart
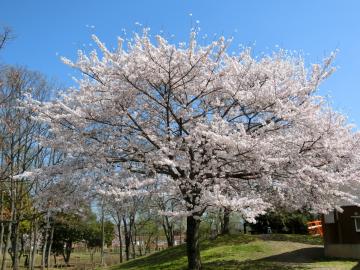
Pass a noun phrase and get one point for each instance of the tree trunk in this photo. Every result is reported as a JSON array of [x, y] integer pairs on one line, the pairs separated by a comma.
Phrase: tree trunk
[[2, 223], [92, 251], [31, 237], [157, 242], [22, 245], [225, 228], [33, 247], [133, 251], [120, 240], [67, 254], [127, 239], [140, 245], [43, 257], [50, 246], [180, 237], [30, 245], [7, 245], [2, 236], [133, 234], [245, 225], [102, 261], [192, 243], [169, 231], [15, 247]]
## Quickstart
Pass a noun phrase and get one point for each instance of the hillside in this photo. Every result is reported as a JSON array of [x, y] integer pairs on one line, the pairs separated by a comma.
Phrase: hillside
[[274, 252]]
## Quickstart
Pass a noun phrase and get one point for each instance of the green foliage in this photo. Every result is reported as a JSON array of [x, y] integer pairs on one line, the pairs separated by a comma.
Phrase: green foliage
[[25, 226], [92, 232], [282, 222], [68, 229], [72, 228]]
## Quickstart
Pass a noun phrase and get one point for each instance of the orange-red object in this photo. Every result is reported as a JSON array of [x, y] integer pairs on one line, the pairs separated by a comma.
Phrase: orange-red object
[[315, 227]]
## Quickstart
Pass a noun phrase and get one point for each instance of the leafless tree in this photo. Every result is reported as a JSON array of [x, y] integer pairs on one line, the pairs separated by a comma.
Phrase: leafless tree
[[19, 152], [5, 36]]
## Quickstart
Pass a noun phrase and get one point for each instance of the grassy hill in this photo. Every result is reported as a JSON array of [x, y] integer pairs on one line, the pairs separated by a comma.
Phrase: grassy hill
[[270, 252]]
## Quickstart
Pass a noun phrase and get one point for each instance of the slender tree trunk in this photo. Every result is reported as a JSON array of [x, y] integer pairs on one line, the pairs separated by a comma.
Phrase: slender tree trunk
[[22, 247], [16, 198], [225, 228], [245, 227], [169, 231], [140, 245], [33, 247], [192, 243], [7, 245], [45, 245], [2, 231], [14, 193], [133, 234], [50, 246], [15, 245], [2, 223], [68, 249], [92, 251], [102, 262], [11, 220], [30, 243], [127, 239], [180, 237], [120, 240], [157, 242]]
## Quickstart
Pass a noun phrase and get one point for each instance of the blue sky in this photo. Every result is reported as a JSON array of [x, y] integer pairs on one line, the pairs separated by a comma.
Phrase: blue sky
[[46, 30]]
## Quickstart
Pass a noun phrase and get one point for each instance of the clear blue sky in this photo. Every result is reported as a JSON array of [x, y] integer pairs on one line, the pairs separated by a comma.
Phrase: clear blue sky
[[46, 30]]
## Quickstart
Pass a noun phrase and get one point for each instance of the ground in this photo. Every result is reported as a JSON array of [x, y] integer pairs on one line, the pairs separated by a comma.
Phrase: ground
[[274, 252]]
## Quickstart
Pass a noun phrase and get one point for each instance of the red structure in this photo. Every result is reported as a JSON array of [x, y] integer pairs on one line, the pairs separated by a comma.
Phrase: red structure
[[315, 227]]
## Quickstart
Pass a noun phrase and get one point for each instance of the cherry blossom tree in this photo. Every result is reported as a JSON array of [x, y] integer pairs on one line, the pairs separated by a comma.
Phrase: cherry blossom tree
[[237, 132]]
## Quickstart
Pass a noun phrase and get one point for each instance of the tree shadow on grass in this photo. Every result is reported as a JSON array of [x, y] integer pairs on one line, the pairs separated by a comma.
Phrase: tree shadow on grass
[[306, 255], [294, 260], [250, 265], [163, 257], [303, 255]]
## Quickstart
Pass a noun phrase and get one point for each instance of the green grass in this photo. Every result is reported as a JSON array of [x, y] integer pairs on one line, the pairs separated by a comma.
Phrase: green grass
[[273, 252]]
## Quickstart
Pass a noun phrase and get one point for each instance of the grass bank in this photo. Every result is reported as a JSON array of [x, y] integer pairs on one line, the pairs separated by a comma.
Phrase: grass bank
[[270, 252]]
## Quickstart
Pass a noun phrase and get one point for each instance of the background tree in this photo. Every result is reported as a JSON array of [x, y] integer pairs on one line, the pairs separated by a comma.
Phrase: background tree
[[19, 150]]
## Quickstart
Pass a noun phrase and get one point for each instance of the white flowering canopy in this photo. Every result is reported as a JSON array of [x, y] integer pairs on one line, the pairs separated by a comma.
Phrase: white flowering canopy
[[238, 132]]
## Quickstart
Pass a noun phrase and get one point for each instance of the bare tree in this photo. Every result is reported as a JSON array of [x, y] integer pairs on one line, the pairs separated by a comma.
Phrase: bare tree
[[5, 36], [19, 150]]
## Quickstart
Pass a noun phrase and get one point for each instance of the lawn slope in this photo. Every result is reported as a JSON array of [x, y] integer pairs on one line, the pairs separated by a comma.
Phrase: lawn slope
[[270, 252]]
